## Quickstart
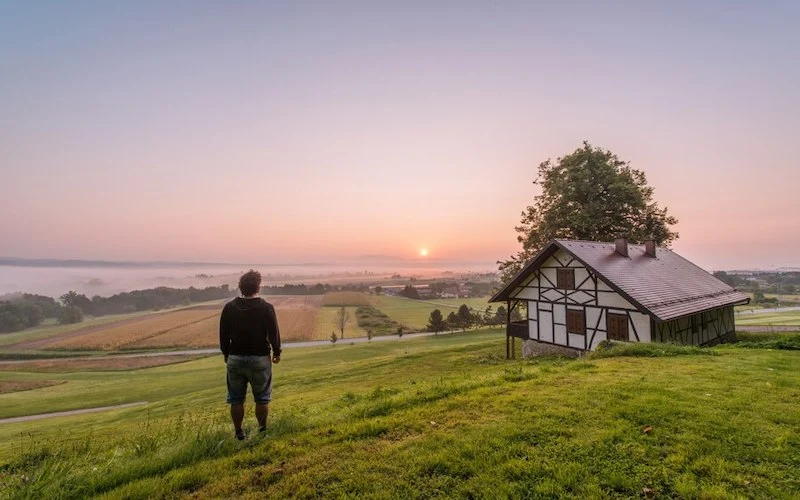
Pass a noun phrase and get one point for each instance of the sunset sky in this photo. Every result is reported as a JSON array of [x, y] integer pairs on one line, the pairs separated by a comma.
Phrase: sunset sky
[[293, 132]]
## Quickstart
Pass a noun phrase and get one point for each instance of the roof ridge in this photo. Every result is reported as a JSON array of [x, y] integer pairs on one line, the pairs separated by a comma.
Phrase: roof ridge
[[595, 242]]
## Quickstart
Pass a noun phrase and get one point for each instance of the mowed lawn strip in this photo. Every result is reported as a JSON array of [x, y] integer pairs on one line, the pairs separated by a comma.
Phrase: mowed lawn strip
[[448, 416], [7, 386], [96, 364], [414, 314], [788, 318]]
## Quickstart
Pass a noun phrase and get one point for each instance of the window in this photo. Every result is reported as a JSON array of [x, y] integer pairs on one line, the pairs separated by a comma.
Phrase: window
[[565, 279], [576, 322], [617, 326]]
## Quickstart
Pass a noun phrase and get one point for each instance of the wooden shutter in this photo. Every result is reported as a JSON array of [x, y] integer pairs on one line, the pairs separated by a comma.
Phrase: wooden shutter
[[617, 326], [576, 322], [565, 279]]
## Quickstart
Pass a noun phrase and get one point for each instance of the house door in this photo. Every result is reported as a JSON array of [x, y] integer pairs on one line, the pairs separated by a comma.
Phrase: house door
[[617, 326]]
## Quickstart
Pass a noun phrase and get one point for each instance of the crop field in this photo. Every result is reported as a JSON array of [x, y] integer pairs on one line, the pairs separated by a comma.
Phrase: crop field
[[787, 318], [326, 324], [200, 334], [7, 386], [297, 319], [129, 333], [118, 363], [402, 420], [349, 299]]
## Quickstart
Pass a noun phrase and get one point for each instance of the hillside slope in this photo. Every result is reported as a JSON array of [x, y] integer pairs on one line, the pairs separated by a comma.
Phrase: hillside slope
[[444, 417]]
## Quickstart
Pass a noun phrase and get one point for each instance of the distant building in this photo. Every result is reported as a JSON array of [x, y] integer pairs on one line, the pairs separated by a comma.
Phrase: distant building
[[580, 293]]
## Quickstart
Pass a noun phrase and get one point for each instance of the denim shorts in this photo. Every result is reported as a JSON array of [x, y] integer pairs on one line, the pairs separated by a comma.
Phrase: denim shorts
[[256, 370]]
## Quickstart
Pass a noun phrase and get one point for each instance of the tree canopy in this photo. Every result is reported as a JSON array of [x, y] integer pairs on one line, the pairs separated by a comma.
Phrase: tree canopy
[[589, 194]]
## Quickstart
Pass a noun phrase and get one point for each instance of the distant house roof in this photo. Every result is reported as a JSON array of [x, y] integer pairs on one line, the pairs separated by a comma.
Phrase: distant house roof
[[666, 287]]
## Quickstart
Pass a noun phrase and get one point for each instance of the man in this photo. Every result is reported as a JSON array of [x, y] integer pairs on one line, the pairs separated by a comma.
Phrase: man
[[248, 328]]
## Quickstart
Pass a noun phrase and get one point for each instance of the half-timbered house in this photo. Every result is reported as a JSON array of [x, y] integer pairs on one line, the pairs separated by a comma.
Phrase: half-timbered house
[[580, 293]]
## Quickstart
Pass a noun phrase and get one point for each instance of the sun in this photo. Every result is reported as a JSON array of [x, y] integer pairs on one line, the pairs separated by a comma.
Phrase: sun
[[423, 252]]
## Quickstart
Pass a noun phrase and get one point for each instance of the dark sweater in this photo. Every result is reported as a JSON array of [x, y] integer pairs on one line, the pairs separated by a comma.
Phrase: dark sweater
[[247, 327]]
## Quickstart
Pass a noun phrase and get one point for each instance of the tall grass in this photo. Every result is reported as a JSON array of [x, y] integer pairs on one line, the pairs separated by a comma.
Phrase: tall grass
[[91, 466]]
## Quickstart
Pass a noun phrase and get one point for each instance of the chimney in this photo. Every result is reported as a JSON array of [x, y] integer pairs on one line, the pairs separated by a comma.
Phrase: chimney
[[650, 246], [621, 244]]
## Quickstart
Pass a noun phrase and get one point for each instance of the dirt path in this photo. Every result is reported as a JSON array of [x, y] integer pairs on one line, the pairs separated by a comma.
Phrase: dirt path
[[40, 416]]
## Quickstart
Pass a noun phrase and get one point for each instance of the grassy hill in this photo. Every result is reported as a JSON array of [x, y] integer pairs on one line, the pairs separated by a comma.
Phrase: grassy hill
[[440, 416]]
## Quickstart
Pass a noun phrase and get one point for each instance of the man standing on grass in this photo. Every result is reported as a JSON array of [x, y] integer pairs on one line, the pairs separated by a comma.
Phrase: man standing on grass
[[248, 328]]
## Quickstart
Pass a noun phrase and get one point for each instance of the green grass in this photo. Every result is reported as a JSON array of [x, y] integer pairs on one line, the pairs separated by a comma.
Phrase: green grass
[[442, 416], [414, 314], [788, 318]]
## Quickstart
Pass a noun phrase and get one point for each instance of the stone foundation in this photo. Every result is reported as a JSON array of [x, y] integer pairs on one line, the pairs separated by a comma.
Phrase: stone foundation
[[531, 348]]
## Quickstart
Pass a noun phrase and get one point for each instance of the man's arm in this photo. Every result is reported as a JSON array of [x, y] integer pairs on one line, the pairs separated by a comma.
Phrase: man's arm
[[224, 333], [273, 332]]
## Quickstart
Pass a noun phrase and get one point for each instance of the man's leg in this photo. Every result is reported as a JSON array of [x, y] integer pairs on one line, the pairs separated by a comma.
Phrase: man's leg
[[262, 411], [237, 390], [237, 415]]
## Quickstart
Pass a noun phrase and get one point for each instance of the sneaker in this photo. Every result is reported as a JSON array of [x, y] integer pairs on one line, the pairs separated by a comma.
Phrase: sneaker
[[240, 435]]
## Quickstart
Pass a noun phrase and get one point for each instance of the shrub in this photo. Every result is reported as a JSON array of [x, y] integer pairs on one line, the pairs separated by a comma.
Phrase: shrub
[[70, 314], [610, 349]]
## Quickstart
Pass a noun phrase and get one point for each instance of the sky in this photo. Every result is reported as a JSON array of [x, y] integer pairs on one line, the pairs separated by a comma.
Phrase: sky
[[316, 131]]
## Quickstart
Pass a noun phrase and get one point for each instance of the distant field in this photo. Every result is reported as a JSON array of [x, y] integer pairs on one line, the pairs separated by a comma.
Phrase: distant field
[[297, 319], [129, 333], [99, 364], [7, 386], [346, 299], [326, 324], [414, 314], [789, 318], [301, 318], [201, 334], [51, 329]]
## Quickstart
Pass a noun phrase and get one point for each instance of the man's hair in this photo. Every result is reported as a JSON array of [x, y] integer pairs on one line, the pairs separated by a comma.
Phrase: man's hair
[[250, 283]]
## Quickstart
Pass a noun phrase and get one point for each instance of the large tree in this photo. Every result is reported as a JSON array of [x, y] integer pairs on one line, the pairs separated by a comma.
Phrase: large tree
[[589, 194], [436, 321]]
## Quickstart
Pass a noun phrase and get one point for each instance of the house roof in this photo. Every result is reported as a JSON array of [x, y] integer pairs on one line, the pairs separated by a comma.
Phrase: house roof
[[666, 287]]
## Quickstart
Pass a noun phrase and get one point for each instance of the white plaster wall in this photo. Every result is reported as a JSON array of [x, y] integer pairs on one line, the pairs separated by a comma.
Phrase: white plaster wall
[[532, 329], [592, 317], [581, 297], [613, 299], [642, 322], [528, 293], [545, 326], [532, 306], [578, 341], [560, 335], [559, 313], [598, 337]]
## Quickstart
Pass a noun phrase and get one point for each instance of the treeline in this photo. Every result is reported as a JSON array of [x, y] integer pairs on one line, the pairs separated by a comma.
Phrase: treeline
[[467, 318], [152, 299], [29, 310], [761, 283], [318, 289]]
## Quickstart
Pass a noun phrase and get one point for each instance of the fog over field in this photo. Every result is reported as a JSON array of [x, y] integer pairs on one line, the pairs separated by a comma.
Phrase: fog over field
[[54, 278]]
